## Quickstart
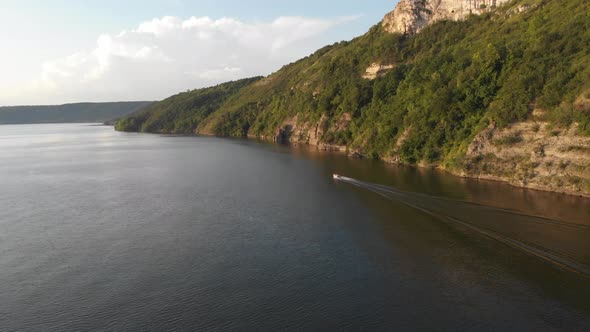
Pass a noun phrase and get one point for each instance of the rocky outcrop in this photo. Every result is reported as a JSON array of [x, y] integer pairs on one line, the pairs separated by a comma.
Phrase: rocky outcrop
[[284, 133], [294, 131], [408, 17], [393, 157], [375, 70], [532, 154], [411, 16]]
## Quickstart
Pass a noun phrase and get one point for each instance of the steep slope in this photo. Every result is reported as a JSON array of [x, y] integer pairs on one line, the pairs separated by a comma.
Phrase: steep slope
[[424, 98], [69, 113]]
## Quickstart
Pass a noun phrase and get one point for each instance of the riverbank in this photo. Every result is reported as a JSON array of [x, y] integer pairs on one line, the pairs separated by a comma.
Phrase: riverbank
[[526, 155]]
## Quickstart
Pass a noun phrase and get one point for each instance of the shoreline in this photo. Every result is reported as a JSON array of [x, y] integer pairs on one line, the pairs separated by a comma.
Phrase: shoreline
[[355, 154], [494, 178]]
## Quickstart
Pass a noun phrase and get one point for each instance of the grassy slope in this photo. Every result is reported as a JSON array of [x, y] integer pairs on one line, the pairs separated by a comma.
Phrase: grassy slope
[[449, 82]]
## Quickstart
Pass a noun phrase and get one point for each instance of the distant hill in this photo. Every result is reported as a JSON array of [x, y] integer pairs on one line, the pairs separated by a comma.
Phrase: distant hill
[[69, 113]]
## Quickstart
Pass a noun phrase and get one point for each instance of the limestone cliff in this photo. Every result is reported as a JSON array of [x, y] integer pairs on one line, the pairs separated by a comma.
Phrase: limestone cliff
[[532, 154], [295, 131], [411, 16]]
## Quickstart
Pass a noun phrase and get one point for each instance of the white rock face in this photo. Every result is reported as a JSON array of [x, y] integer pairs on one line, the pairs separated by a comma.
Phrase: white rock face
[[411, 16], [375, 70]]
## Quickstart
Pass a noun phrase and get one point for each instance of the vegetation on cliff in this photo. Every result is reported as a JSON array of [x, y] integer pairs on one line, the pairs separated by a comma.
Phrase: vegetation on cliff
[[447, 84]]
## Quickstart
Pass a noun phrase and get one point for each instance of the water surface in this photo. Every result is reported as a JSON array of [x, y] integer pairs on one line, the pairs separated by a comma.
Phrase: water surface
[[102, 230]]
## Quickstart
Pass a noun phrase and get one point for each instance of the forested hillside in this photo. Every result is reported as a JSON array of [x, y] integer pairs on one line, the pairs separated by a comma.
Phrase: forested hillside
[[419, 98], [182, 113]]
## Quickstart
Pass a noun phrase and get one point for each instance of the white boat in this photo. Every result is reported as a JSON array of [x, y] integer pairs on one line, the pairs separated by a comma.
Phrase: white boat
[[336, 177]]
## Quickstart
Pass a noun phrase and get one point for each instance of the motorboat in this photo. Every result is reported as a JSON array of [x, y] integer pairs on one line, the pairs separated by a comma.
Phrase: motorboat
[[336, 177]]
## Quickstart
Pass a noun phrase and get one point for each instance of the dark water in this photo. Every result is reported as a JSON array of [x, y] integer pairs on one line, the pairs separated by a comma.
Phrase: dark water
[[108, 231]]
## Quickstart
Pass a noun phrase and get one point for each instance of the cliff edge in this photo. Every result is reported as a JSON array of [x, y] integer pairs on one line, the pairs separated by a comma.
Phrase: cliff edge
[[411, 16]]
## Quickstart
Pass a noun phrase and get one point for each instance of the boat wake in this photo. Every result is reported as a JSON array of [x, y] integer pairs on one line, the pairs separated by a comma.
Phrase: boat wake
[[561, 243]]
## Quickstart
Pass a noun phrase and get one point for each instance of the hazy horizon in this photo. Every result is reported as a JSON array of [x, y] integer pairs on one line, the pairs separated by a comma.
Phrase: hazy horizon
[[79, 102]]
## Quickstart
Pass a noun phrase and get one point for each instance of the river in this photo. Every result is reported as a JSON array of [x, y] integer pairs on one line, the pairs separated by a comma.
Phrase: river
[[101, 230]]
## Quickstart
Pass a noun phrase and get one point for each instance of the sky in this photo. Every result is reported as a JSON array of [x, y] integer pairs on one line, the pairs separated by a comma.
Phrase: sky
[[62, 51]]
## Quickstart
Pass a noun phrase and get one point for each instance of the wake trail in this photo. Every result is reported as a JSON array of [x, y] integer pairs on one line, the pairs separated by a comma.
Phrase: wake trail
[[561, 243]]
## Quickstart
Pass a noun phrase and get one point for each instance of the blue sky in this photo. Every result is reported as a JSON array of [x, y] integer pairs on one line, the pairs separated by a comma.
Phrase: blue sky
[[39, 34]]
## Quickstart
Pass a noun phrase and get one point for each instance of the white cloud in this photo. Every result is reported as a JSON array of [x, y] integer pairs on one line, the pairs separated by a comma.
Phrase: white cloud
[[166, 55]]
